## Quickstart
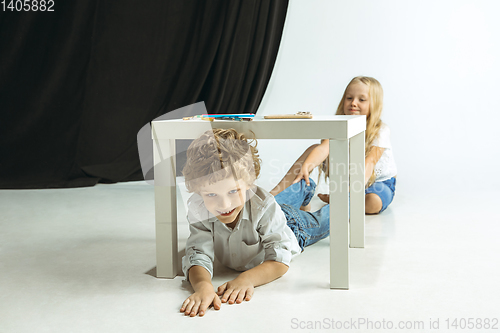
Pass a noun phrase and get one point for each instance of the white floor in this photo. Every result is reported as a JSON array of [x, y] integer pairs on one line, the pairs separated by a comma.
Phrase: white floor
[[82, 260]]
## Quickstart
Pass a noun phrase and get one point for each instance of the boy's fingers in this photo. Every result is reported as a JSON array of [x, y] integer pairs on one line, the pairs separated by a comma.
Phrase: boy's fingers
[[249, 295], [217, 303], [203, 307], [232, 298], [183, 307], [194, 311], [189, 306], [226, 295], [221, 289], [241, 296]]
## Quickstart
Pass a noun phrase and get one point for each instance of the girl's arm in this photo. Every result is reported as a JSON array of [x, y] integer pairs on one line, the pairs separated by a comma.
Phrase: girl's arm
[[204, 294], [317, 155], [241, 288], [371, 160]]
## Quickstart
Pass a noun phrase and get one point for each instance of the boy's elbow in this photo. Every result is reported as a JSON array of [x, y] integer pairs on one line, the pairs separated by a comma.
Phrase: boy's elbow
[[277, 268], [283, 269]]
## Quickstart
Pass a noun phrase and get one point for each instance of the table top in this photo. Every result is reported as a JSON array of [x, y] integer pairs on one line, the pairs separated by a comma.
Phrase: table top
[[319, 127]]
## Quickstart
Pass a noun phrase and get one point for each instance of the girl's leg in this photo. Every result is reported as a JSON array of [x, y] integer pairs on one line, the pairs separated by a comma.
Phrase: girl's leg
[[293, 172], [373, 204], [379, 196]]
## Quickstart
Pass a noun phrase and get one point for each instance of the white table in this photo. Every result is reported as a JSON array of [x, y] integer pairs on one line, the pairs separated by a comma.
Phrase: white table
[[347, 165]]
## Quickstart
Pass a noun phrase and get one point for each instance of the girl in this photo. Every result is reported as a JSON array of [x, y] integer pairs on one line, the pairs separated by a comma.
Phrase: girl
[[363, 96]]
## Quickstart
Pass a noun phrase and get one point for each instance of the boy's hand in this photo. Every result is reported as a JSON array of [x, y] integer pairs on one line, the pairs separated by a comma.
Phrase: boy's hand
[[198, 302], [236, 290]]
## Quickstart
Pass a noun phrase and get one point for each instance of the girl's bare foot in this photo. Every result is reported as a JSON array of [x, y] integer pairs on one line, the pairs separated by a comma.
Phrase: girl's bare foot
[[324, 197]]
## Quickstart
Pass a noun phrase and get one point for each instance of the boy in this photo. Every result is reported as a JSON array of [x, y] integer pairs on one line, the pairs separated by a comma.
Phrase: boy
[[240, 223]]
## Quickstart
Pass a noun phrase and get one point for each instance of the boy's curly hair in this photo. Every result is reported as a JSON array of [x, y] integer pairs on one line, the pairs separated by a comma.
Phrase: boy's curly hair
[[218, 154]]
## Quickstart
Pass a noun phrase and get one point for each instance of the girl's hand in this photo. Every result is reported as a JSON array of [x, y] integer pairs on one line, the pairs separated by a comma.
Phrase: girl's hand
[[236, 290], [198, 302], [304, 174]]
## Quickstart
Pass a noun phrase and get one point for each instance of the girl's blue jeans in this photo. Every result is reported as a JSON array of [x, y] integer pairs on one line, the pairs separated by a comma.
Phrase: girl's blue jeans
[[308, 227], [385, 190]]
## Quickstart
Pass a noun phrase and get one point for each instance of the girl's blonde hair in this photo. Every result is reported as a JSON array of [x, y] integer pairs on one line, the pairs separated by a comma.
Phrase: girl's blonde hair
[[373, 121], [218, 154]]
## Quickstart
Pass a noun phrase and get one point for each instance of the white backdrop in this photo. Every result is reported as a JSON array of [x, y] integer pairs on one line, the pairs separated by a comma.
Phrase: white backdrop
[[437, 62]]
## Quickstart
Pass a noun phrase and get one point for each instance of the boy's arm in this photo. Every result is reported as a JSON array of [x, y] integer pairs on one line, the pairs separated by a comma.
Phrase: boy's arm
[[197, 266], [204, 294], [266, 272], [275, 236], [241, 288]]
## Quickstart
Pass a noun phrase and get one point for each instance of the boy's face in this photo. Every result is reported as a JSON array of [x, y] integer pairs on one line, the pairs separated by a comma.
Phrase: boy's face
[[225, 199]]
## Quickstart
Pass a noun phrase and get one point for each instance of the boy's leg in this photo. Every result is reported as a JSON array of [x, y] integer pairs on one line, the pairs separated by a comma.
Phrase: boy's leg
[[297, 195], [306, 208], [308, 227]]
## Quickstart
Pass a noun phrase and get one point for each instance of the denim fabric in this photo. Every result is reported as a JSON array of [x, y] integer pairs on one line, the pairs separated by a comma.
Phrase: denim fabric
[[385, 190], [308, 227]]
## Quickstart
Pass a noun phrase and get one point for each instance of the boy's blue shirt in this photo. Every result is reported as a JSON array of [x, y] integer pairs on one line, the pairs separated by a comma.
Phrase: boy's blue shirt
[[261, 234]]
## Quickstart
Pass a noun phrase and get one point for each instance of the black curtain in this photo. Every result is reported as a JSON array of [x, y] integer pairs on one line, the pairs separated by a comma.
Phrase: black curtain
[[77, 83]]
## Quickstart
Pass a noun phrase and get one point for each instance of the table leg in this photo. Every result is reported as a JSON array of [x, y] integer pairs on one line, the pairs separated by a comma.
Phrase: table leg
[[357, 189], [165, 208], [339, 214]]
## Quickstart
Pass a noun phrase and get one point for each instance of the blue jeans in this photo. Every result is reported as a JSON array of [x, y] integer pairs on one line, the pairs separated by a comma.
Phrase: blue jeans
[[385, 190], [308, 227]]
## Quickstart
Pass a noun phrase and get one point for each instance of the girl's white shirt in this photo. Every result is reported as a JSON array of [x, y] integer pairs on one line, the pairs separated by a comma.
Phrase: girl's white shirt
[[386, 166]]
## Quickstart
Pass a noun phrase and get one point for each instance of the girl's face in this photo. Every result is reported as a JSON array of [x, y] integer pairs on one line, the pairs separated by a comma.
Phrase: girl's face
[[356, 100]]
